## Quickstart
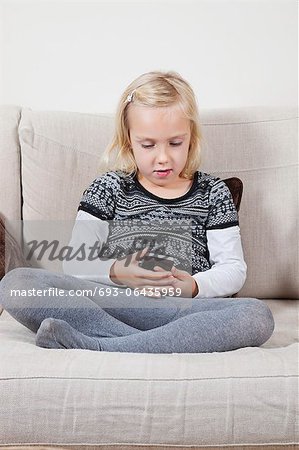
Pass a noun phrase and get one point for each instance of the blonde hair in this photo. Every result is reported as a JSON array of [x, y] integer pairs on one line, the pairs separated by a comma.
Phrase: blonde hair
[[153, 89]]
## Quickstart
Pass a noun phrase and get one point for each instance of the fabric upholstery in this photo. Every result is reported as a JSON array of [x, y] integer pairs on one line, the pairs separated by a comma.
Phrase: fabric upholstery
[[10, 192], [244, 396]]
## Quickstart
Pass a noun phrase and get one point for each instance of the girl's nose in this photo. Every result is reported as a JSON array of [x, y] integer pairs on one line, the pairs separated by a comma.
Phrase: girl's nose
[[162, 155]]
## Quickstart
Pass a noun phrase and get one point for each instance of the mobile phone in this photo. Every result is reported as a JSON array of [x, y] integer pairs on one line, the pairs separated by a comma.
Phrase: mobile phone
[[150, 261]]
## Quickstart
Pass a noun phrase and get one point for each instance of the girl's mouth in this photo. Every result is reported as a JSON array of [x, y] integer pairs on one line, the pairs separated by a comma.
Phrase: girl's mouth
[[163, 173]]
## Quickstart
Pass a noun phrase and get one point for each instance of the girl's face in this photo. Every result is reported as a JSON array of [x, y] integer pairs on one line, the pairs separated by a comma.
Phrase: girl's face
[[160, 139]]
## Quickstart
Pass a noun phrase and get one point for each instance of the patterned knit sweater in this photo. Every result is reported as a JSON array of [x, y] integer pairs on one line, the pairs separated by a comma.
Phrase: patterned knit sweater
[[178, 226]]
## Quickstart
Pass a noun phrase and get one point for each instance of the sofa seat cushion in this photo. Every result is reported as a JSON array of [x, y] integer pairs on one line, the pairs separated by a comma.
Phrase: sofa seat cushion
[[245, 396]]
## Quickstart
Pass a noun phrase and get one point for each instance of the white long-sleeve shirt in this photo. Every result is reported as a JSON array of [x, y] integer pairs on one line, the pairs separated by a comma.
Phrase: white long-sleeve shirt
[[220, 255]]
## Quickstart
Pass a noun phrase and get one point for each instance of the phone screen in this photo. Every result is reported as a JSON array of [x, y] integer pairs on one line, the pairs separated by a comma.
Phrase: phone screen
[[150, 262]]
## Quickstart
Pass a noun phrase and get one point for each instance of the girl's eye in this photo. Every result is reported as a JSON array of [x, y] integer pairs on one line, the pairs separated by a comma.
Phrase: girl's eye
[[175, 144]]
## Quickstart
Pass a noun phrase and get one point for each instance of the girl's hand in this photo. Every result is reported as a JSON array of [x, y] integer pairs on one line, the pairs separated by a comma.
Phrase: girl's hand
[[183, 281], [136, 277]]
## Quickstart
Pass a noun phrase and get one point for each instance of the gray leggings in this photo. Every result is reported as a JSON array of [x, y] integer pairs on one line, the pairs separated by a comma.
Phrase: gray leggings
[[125, 322]]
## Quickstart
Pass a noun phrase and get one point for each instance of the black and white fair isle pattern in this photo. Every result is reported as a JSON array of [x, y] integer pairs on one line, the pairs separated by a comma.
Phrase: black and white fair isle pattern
[[174, 227]]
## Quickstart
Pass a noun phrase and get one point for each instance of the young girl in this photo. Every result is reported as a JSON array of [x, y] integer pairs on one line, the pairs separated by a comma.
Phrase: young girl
[[151, 174]]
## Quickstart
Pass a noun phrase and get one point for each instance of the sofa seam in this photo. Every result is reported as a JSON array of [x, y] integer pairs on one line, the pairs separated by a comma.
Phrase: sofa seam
[[250, 122], [57, 143], [20, 162], [151, 379], [149, 446], [285, 166]]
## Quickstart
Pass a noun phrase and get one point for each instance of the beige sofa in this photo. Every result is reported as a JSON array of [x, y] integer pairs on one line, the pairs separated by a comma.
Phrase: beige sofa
[[246, 398]]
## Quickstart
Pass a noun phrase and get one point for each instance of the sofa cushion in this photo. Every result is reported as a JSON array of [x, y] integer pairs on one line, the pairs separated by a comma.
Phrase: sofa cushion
[[10, 192], [260, 146], [60, 157], [244, 396]]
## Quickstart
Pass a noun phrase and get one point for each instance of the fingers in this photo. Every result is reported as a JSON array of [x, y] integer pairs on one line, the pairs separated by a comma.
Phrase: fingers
[[165, 281], [156, 292], [137, 256], [159, 269], [158, 273], [150, 291], [180, 274], [138, 277]]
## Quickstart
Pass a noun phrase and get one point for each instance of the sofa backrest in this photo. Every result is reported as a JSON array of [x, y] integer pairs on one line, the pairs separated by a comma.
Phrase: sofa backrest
[[60, 156], [10, 192]]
